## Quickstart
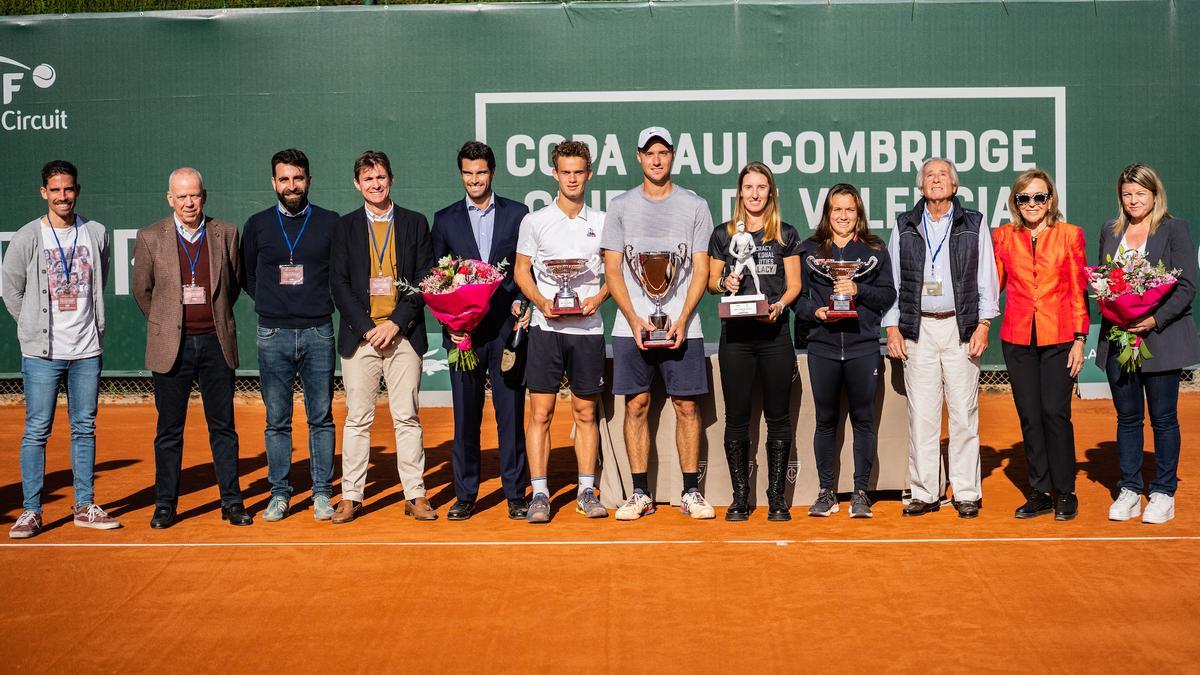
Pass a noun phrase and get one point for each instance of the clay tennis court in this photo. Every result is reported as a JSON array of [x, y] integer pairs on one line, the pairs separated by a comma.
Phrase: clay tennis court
[[665, 594]]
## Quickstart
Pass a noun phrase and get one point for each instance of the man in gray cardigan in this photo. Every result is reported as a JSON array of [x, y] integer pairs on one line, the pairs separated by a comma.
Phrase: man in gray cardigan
[[54, 274]]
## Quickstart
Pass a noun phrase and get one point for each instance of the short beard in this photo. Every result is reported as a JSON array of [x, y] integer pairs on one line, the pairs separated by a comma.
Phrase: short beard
[[297, 205]]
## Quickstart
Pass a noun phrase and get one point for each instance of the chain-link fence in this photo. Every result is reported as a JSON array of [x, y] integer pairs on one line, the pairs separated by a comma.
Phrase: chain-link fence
[[134, 389]]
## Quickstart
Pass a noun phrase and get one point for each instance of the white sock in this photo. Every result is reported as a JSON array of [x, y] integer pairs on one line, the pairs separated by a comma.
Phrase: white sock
[[539, 485], [586, 481]]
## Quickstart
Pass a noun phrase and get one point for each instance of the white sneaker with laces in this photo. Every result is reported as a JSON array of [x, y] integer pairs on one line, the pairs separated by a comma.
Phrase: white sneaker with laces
[[1128, 505], [639, 504], [693, 504], [1160, 509]]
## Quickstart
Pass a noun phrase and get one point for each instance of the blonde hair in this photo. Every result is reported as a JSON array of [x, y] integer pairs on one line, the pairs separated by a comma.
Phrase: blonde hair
[[1022, 182], [1141, 174], [772, 223]]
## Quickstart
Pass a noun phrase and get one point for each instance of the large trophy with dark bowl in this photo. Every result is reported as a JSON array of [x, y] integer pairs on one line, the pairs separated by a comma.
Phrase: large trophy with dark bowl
[[656, 272], [841, 305]]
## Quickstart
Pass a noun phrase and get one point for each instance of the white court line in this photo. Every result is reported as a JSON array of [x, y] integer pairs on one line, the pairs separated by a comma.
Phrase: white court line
[[635, 542], [284, 544], [957, 540]]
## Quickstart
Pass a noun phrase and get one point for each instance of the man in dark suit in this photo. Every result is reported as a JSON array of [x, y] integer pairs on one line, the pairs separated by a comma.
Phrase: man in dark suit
[[484, 226], [186, 277], [382, 331]]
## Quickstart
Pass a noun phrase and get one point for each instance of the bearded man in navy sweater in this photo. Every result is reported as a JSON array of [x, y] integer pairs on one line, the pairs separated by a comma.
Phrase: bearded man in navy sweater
[[285, 259]]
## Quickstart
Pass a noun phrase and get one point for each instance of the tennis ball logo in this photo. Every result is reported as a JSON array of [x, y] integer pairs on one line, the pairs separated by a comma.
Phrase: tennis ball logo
[[44, 75]]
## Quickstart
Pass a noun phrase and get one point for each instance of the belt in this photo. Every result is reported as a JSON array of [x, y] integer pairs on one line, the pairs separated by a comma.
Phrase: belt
[[938, 315]]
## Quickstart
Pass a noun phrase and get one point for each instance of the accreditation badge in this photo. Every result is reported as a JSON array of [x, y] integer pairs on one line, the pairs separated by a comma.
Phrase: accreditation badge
[[194, 295], [933, 287], [383, 286], [291, 275], [67, 301]]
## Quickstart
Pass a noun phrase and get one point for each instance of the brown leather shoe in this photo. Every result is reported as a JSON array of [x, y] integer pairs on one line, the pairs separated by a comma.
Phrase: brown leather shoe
[[419, 509], [346, 511]]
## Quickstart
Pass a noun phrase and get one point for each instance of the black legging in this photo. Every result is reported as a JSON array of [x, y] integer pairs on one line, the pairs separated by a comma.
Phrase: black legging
[[749, 346], [859, 378]]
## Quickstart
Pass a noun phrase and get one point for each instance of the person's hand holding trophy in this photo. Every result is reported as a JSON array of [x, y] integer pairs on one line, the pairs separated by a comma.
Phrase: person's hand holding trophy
[[656, 272], [737, 305], [842, 273]]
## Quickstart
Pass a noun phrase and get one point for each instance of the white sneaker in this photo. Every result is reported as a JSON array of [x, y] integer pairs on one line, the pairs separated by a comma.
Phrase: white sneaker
[[1160, 509], [693, 504], [1128, 505], [638, 505]]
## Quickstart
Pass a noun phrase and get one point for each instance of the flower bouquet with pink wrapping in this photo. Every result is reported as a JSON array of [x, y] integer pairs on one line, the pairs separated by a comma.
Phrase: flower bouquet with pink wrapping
[[1128, 288], [459, 291]]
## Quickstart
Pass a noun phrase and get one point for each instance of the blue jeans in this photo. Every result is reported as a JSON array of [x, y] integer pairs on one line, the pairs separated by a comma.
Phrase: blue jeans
[[284, 353], [41, 378], [1131, 393]]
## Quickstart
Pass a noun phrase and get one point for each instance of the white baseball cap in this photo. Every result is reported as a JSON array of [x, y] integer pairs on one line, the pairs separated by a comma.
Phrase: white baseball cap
[[650, 133]]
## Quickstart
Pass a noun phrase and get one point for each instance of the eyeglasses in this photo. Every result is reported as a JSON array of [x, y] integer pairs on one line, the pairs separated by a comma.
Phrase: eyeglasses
[[1023, 198]]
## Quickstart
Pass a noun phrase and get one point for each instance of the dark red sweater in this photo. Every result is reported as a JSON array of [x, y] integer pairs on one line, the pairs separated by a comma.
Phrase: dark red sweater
[[197, 319]]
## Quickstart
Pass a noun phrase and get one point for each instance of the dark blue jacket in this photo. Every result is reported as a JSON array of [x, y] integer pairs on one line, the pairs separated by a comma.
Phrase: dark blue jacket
[[1173, 341], [452, 235], [350, 272], [848, 338]]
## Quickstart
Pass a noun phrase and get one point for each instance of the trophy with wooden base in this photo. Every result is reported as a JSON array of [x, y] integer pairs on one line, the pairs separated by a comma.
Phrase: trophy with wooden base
[[841, 305], [656, 272], [563, 271], [749, 305]]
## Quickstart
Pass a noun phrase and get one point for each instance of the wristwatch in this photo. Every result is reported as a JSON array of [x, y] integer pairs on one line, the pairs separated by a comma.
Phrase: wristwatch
[[1081, 337]]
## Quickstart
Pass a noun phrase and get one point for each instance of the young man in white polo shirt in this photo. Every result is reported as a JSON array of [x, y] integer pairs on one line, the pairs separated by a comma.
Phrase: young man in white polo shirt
[[562, 339]]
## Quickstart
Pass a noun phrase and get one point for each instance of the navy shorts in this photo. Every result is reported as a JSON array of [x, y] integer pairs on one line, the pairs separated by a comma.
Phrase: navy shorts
[[551, 354], [683, 370]]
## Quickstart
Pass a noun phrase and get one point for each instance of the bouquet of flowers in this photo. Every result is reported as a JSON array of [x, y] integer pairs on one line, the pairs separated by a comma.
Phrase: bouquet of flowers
[[458, 292], [1128, 288]]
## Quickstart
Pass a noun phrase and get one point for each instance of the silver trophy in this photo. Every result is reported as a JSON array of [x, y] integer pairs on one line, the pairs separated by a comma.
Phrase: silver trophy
[[742, 305], [656, 272], [841, 305], [563, 271]]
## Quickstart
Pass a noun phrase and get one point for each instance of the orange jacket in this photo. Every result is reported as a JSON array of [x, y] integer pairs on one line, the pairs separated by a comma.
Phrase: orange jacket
[[1050, 286]]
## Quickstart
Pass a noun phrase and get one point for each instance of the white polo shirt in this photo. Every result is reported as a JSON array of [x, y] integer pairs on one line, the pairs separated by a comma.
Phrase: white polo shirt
[[548, 234]]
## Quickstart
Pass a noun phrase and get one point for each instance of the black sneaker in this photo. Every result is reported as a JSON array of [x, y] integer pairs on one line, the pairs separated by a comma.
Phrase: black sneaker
[[826, 504], [1037, 504], [860, 505], [1066, 507]]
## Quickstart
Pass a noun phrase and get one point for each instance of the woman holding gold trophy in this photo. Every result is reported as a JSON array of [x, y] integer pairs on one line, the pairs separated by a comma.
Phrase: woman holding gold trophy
[[755, 266], [847, 288]]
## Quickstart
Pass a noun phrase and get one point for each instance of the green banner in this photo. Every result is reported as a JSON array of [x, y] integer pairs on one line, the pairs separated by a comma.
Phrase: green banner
[[823, 92]]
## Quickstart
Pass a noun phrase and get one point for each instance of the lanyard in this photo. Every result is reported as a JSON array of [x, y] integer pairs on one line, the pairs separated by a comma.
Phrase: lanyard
[[193, 261], [292, 246], [932, 253], [374, 244], [67, 262]]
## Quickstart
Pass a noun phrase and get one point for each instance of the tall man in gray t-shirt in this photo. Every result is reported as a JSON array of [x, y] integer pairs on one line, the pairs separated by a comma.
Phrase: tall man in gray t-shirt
[[659, 216]]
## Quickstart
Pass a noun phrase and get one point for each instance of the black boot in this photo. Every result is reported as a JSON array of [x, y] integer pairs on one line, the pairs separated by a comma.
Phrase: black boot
[[777, 464], [739, 477]]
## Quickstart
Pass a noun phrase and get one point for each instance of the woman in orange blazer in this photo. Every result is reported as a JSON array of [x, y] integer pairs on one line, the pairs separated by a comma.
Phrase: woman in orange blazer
[[1040, 262]]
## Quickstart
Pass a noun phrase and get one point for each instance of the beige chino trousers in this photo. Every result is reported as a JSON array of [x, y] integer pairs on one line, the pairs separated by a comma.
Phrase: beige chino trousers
[[939, 368], [399, 366]]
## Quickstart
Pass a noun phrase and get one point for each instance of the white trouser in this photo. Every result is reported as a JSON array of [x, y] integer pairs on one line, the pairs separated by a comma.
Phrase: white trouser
[[939, 368], [400, 366]]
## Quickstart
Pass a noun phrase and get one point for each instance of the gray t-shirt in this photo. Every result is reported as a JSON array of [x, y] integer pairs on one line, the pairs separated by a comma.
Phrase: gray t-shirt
[[649, 225]]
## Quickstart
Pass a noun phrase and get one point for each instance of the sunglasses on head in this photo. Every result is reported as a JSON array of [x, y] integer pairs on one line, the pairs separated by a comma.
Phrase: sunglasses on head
[[1023, 199]]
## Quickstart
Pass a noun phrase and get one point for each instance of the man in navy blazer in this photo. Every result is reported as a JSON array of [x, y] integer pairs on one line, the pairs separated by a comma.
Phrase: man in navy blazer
[[484, 226]]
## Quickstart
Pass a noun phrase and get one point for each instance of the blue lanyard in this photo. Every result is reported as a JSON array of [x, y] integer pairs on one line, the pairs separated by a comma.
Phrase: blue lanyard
[[67, 262], [290, 245], [374, 244], [193, 261], [932, 253]]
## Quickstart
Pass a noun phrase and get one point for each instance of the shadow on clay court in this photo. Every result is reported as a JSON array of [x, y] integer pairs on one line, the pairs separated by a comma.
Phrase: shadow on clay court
[[53, 489]]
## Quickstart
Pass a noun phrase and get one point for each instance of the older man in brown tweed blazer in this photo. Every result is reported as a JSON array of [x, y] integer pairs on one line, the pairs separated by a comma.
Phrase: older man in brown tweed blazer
[[185, 280]]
